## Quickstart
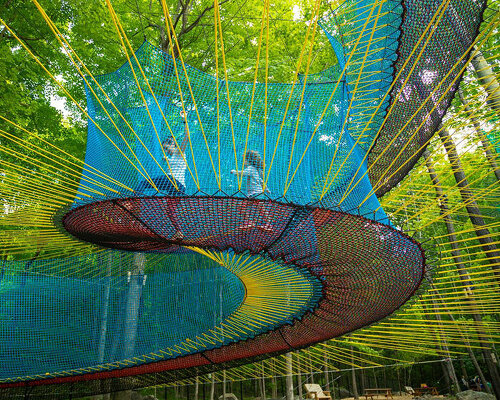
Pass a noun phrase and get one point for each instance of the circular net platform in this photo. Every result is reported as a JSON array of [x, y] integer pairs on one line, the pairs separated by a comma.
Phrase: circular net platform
[[323, 273], [200, 267]]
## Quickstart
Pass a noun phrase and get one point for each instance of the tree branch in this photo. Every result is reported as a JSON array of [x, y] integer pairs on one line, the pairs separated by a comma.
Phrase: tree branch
[[146, 27], [197, 20]]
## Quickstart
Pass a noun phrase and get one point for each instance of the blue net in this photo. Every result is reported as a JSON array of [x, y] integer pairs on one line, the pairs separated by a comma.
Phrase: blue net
[[133, 307], [248, 210], [307, 157]]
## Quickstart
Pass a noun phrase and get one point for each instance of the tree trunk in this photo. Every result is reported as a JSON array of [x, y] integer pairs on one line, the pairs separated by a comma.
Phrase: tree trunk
[[327, 375], [363, 381], [487, 79], [354, 383], [125, 395], [483, 233], [133, 303], [262, 386], [490, 155], [464, 371], [299, 377], [212, 387], [274, 383], [289, 376], [311, 380], [224, 384], [446, 374], [375, 377], [131, 319], [448, 363], [471, 354], [464, 277], [196, 388]]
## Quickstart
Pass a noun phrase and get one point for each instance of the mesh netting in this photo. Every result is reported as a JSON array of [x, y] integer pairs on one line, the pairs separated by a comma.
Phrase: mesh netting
[[208, 236], [347, 272], [130, 152], [424, 86]]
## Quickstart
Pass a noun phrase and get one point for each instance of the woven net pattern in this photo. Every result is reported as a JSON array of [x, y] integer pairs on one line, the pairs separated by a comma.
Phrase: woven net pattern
[[347, 271], [436, 38], [205, 248]]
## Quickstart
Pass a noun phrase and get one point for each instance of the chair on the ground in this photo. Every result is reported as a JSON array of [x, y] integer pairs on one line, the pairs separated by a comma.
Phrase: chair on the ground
[[315, 392], [410, 390], [228, 396]]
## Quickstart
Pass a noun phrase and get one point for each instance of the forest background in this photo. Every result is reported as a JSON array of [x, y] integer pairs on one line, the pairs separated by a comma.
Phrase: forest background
[[417, 334]]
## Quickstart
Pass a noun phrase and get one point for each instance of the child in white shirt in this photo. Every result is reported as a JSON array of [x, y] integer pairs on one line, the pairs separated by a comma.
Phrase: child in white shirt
[[253, 171], [177, 173]]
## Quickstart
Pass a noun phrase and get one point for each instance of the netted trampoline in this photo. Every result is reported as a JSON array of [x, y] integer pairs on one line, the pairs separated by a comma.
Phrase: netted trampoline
[[236, 221]]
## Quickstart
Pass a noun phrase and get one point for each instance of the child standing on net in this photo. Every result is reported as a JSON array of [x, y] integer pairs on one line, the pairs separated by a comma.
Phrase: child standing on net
[[253, 171], [172, 184]]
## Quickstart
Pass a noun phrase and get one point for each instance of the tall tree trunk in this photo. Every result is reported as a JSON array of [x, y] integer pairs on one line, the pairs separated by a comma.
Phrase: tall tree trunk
[[483, 233], [212, 387], [487, 79], [327, 375], [471, 353], [490, 155], [196, 387], [105, 309], [274, 383], [363, 385], [299, 376], [463, 369], [463, 274], [353, 374], [448, 363], [224, 384], [133, 303], [104, 323], [446, 374], [131, 318], [289, 376], [262, 386], [311, 380]]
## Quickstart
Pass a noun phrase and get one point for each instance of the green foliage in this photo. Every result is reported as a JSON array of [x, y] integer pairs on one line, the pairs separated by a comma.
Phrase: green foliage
[[28, 99]]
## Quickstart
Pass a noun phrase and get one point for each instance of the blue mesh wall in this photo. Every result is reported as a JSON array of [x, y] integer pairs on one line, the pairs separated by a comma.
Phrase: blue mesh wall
[[364, 36], [75, 313], [318, 160]]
